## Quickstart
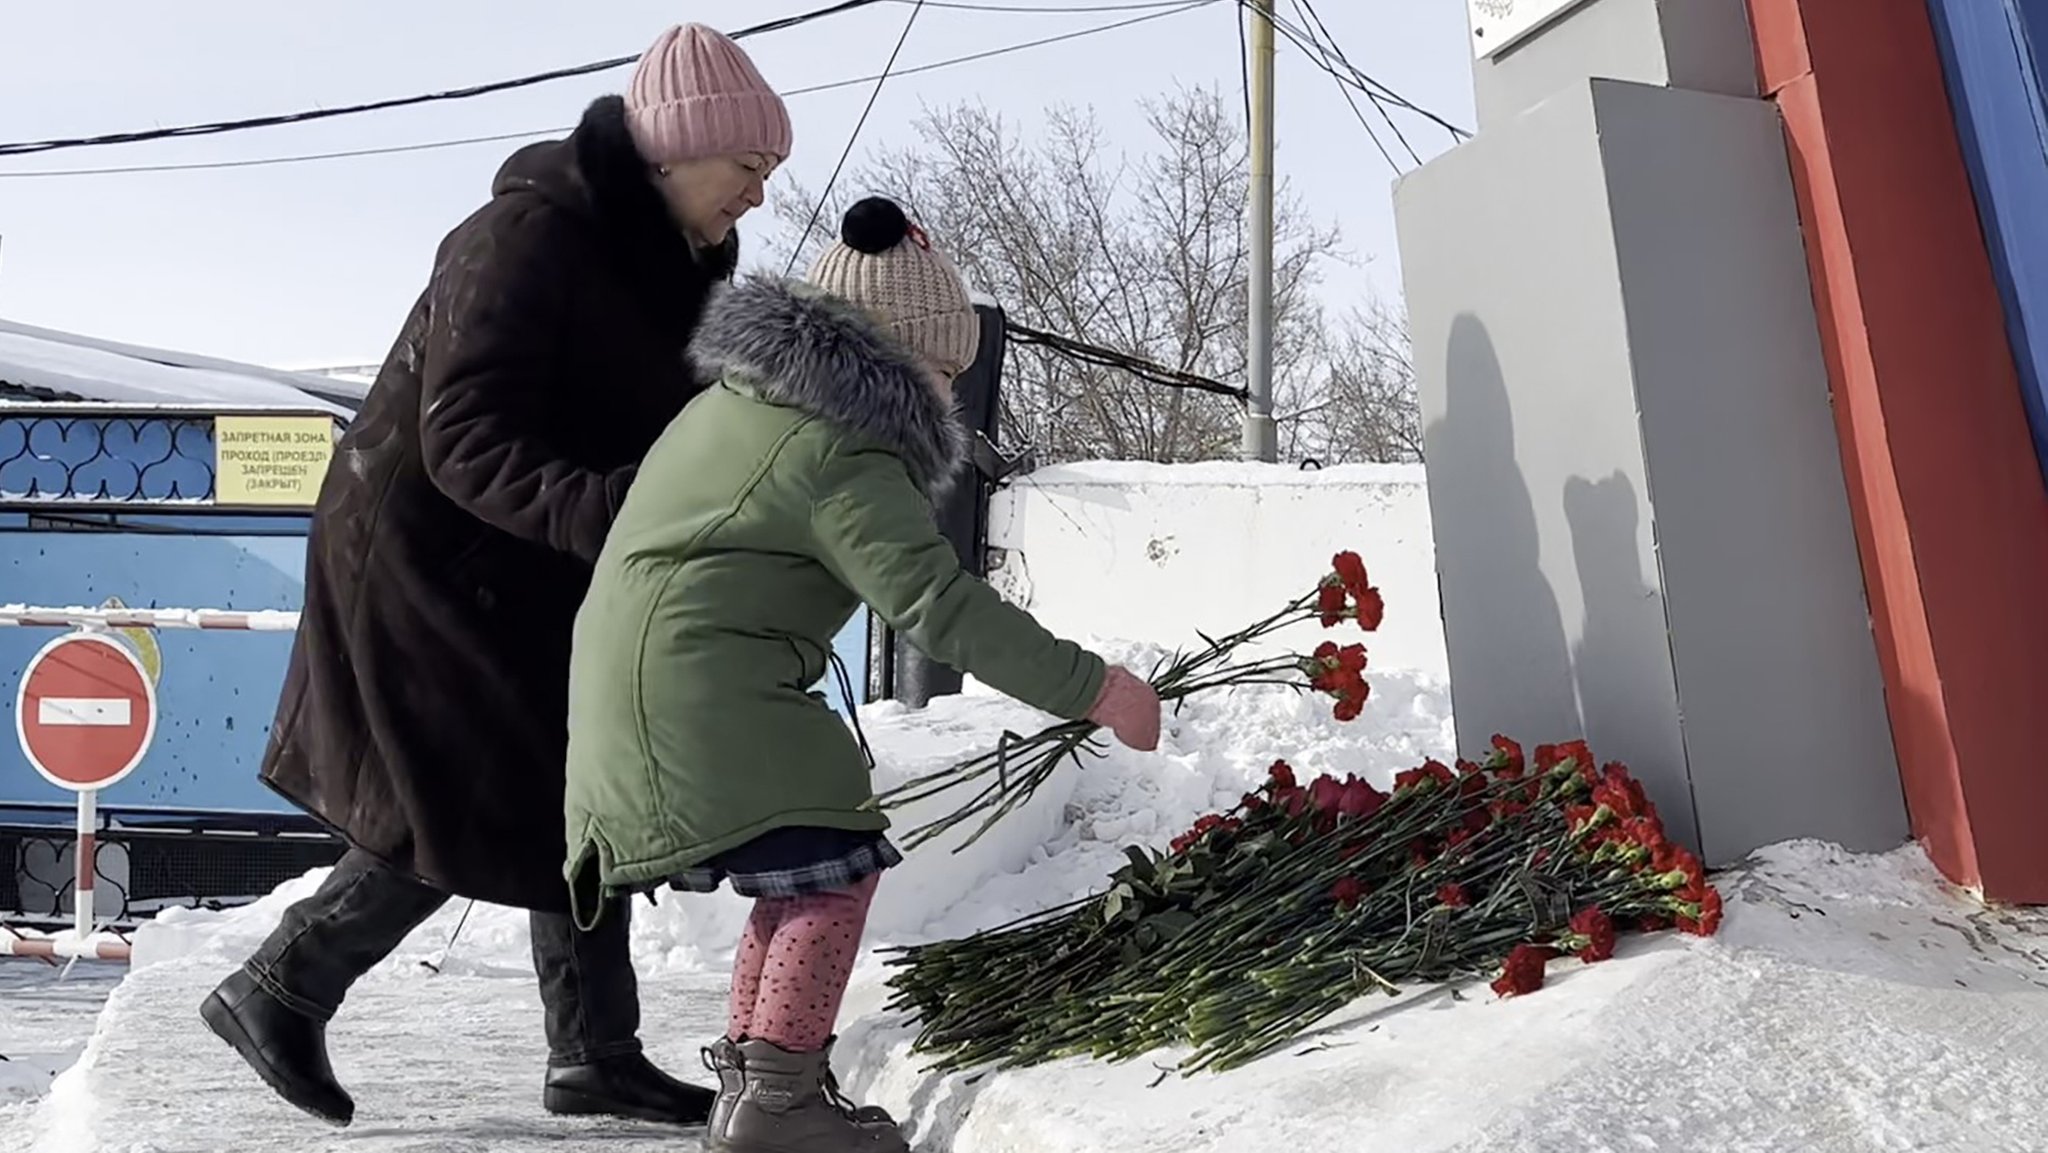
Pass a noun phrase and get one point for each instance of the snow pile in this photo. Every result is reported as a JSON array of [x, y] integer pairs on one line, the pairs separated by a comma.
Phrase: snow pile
[[1850, 1004]]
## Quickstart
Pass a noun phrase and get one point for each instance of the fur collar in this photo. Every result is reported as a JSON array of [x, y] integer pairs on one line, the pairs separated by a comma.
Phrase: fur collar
[[626, 202], [795, 345]]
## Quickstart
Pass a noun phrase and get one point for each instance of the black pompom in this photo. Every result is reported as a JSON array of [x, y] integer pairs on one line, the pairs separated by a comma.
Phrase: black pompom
[[876, 224]]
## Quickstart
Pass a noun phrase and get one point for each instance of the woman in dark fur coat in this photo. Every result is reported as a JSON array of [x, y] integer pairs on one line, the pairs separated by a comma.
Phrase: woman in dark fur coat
[[424, 712]]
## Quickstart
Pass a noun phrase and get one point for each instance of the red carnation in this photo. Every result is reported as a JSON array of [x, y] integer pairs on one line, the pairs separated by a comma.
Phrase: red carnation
[[1332, 606], [1709, 921], [1596, 930], [1647, 832], [1454, 896], [1581, 758], [1347, 892], [1325, 792], [1350, 570], [1360, 799], [1509, 753], [1281, 775], [1372, 609], [1523, 971], [1679, 859]]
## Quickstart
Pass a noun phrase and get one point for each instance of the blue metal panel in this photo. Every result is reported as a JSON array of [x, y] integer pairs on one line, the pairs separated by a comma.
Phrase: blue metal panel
[[1990, 55], [217, 690]]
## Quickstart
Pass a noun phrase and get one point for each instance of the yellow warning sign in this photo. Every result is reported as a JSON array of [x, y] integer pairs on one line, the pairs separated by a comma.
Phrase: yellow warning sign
[[271, 460]]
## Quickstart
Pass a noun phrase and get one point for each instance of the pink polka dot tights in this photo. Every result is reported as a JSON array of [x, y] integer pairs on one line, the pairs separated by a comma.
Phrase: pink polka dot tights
[[794, 960]]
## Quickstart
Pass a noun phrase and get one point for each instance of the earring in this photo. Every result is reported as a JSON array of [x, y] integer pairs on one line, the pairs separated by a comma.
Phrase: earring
[[662, 171]]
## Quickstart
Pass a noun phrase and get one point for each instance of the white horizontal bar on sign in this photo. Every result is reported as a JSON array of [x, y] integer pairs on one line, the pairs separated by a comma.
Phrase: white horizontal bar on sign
[[114, 712], [39, 616]]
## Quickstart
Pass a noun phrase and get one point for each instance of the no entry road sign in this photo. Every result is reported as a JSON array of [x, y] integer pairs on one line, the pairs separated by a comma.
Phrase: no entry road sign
[[86, 711]]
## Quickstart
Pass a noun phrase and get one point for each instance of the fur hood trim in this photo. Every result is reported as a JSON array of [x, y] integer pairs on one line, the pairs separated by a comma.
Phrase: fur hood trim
[[796, 345]]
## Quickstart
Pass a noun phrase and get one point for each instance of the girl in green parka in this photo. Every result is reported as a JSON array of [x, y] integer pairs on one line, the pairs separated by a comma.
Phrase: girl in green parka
[[797, 487]]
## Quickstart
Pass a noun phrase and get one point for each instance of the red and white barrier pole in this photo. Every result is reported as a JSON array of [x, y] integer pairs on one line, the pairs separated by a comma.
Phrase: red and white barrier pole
[[63, 948], [86, 852], [263, 621]]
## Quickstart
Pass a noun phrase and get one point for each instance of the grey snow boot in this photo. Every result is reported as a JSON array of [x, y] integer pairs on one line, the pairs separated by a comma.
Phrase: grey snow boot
[[790, 1103], [723, 1058]]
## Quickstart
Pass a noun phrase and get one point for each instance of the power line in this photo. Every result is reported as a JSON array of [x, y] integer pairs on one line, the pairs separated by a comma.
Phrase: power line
[[1344, 90], [300, 158], [1100, 357], [818, 209], [1178, 7], [1308, 7], [1350, 74], [22, 148], [215, 128]]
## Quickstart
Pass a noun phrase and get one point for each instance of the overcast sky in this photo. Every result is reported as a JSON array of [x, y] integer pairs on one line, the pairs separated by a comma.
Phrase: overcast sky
[[316, 263]]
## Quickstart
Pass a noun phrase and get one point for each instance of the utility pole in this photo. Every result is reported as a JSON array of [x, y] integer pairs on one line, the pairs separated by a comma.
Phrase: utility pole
[[1261, 440]]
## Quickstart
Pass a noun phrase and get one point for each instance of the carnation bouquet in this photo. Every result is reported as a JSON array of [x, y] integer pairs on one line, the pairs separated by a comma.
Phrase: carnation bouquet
[[1007, 776], [1261, 921]]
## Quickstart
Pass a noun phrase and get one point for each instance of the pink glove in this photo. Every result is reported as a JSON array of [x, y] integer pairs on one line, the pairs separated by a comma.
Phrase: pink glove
[[1128, 707]]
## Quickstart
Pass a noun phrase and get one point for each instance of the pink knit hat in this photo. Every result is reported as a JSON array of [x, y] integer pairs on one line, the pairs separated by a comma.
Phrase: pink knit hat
[[696, 94]]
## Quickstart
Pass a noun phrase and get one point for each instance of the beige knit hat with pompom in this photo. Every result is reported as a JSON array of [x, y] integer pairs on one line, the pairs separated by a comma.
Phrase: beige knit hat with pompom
[[887, 266]]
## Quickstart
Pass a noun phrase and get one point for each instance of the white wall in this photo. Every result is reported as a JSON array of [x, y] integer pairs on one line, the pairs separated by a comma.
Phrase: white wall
[[1147, 552]]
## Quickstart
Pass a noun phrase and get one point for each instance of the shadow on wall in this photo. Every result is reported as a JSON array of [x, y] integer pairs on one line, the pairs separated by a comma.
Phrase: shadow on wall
[[1625, 685], [1510, 659], [1616, 680]]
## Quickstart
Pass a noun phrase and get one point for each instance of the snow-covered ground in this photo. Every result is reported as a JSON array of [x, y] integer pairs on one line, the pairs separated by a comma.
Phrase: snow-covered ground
[[1851, 1004]]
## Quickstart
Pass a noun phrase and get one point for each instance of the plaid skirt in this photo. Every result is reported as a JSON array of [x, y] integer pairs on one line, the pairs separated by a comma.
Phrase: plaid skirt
[[793, 862]]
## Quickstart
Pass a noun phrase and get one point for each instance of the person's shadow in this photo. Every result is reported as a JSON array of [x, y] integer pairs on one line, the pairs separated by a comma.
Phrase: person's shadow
[[1627, 695], [1502, 626]]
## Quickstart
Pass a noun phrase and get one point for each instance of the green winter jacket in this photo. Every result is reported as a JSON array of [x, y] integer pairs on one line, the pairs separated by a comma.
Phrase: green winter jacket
[[780, 500]]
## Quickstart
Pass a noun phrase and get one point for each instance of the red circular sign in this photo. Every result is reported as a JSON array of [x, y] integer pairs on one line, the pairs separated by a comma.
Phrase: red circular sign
[[86, 711]]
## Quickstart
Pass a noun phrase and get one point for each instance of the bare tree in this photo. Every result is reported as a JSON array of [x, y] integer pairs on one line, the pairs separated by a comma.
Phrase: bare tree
[[1146, 255], [1364, 406]]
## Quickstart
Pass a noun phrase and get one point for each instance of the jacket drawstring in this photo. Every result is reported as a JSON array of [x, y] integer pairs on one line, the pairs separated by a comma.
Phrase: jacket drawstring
[[852, 707]]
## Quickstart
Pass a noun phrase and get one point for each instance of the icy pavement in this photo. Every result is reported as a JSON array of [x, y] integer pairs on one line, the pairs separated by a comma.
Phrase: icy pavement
[[446, 1064], [46, 1015], [1850, 1005]]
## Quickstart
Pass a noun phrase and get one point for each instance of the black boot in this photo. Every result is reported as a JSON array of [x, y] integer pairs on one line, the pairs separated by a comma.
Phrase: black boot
[[286, 1048], [320, 946], [626, 1085]]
